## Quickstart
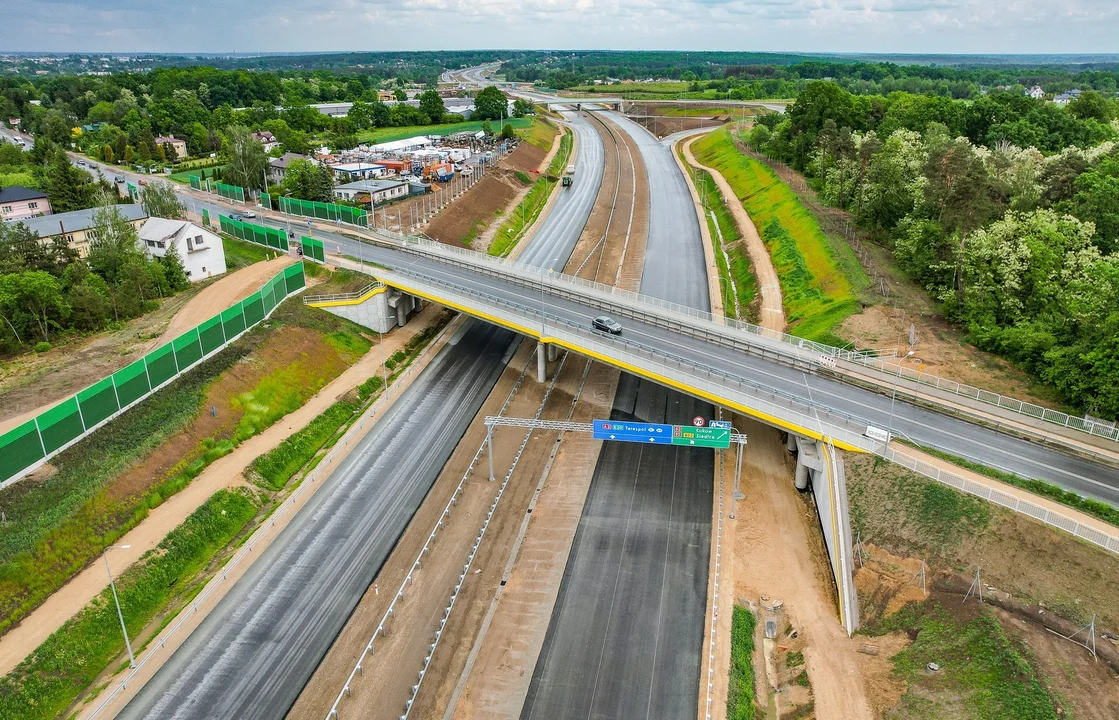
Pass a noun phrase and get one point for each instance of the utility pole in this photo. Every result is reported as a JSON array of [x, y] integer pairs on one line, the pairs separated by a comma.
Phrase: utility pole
[[116, 600]]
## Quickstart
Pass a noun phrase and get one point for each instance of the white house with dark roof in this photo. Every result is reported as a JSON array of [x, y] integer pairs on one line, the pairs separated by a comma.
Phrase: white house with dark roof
[[267, 139], [201, 250]]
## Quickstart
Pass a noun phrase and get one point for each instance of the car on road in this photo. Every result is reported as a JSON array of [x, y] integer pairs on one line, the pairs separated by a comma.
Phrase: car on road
[[237, 216], [607, 324], [248, 214], [466, 170], [119, 179]]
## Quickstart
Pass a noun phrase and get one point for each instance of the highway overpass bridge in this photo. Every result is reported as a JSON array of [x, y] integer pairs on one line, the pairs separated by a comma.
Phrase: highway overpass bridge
[[783, 380]]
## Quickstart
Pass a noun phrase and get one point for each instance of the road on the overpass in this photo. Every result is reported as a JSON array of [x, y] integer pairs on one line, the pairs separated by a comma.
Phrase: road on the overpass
[[952, 435], [626, 635], [252, 655]]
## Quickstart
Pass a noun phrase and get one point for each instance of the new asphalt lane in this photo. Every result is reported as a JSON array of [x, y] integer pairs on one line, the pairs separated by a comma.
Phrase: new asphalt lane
[[626, 635], [252, 655]]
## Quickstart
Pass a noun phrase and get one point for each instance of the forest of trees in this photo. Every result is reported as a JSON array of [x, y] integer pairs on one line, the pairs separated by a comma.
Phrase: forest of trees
[[46, 290], [750, 76], [1005, 209]]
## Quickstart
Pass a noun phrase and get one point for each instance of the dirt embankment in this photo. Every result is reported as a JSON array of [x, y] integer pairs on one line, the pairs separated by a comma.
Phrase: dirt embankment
[[488, 199], [32, 383]]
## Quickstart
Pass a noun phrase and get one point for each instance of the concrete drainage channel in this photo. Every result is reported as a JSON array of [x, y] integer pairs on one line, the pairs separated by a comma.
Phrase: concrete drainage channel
[[382, 628]]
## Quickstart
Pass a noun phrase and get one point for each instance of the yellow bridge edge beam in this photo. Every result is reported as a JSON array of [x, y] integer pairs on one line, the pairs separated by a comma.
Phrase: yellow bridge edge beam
[[744, 409], [355, 301]]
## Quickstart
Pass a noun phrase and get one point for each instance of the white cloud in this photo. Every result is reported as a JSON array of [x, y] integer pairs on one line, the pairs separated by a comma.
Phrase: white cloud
[[994, 26]]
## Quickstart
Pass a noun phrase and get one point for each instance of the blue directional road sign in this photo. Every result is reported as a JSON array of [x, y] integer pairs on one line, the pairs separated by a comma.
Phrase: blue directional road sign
[[623, 431], [724, 424]]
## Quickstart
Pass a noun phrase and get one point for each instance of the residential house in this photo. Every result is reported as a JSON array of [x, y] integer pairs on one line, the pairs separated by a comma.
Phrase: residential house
[[77, 227], [1066, 97], [386, 95], [267, 139], [1036, 92], [278, 167], [178, 145], [378, 190], [23, 202], [201, 250], [358, 171]]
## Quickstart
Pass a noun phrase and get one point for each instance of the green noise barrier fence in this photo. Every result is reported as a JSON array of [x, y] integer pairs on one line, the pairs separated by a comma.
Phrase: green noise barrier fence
[[229, 192], [26, 447], [196, 182], [319, 210], [274, 238], [313, 249]]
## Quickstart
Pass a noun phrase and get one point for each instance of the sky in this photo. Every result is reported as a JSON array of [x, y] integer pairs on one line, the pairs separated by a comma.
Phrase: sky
[[862, 26]]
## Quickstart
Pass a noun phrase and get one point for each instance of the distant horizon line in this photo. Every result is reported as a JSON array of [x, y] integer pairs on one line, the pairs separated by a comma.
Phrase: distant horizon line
[[274, 53]]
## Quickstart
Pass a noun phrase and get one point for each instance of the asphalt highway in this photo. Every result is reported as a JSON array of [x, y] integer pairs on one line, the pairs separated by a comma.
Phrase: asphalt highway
[[626, 635], [251, 657]]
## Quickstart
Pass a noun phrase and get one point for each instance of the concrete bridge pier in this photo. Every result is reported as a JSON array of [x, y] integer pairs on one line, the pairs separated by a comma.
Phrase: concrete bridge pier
[[404, 304], [543, 355]]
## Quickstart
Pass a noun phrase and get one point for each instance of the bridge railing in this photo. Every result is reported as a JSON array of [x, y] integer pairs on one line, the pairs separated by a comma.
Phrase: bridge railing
[[800, 348], [342, 297], [475, 258], [895, 368], [719, 386]]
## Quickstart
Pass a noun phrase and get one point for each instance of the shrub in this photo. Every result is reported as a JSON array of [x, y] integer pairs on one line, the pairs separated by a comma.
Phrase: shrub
[[42, 347]]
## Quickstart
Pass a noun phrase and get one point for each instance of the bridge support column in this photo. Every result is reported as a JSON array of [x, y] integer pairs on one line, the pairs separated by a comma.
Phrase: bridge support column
[[791, 442], [403, 305], [809, 462], [553, 352], [542, 352]]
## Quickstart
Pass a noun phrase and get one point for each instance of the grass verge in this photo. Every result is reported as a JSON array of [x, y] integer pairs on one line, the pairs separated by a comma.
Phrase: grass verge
[[541, 133], [817, 293], [1095, 508], [528, 210], [736, 276], [985, 674], [274, 469], [56, 528], [240, 254], [388, 134], [740, 689], [50, 679]]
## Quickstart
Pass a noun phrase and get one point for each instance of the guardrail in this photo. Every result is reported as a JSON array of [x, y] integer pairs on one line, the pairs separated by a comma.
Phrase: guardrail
[[529, 275], [1104, 430], [342, 297], [715, 384]]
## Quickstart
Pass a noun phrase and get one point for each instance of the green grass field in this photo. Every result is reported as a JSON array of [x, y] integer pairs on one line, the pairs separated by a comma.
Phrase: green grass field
[[740, 689], [388, 134], [541, 133], [184, 176], [817, 294], [985, 673]]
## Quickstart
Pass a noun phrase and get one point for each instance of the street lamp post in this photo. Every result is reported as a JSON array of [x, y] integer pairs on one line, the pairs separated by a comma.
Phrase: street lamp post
[[116, 600], [893, 399]]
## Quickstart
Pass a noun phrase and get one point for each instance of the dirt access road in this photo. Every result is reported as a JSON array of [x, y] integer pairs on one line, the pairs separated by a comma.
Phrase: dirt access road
[[55, 375], [225, 472], [777, 552], [772, 313]]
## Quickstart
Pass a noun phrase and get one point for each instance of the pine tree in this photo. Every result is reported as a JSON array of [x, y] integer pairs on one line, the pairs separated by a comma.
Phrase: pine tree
[[173, 268]]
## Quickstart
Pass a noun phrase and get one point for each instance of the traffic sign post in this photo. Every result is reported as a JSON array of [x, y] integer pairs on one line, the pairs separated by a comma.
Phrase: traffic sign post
[[624, 431], [709, 437]]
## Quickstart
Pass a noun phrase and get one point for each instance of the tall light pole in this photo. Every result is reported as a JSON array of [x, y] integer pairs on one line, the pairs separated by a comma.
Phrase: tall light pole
[[116, 600], [893, 399]]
